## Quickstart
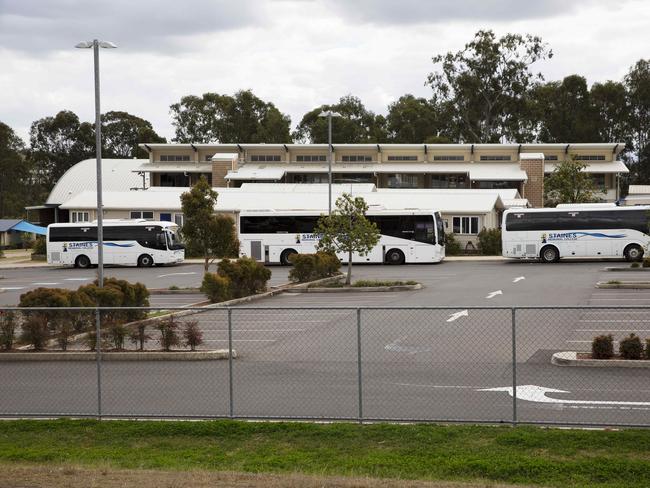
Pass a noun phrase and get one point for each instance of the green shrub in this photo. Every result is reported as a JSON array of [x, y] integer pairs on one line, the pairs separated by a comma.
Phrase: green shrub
[[364, 283], [247, 276], [310, 267], [192, 334], [631, 347], [646, 262], [8, 325], [602, 347], [139, 336], [168, 329], [452, 246], [35, 331], [117, 334], [216, 288], [27, 240], [647, 348], [40, 247], [635, 264], [64, 331], [489, 242]]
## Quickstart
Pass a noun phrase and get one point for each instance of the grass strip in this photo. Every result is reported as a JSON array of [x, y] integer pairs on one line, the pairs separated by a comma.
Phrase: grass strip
[[523, 455]]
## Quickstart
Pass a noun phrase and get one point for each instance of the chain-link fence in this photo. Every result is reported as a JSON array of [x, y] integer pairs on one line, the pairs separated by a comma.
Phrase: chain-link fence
[[488, 365]]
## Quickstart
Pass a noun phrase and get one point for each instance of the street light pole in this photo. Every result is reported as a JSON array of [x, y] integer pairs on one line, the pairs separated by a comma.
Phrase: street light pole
[[96, 44], [329, 114]]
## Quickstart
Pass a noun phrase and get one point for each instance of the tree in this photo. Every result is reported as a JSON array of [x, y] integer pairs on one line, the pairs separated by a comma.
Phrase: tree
[[57, 143], [415, 120], [214, 236], [14, 173], [564, 111], [122, 132], [225, 119], [637, 84], [486, 83], [569, 184], [347, 230], [609, 101], [356, 124]]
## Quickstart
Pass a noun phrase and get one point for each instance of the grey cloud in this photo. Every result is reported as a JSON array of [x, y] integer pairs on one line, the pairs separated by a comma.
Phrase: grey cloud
[[438, 11], [40, 26]]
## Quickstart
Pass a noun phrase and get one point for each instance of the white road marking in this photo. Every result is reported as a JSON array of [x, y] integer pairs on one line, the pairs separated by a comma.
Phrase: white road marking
[[77, 279], [494, 293], [396, 346], [534, 393], [177, 274], [457, 315], [622, 299], [456, 387], [519, 279], [46, 284], [12, 288], [590, 321]]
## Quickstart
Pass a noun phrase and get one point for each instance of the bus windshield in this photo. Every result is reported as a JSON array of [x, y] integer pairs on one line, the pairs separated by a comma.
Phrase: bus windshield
[[173, 240]]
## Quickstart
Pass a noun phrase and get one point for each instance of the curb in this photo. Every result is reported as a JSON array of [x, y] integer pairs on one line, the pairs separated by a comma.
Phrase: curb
[[570, 358], [352, 289], [632, 285], [117, 356], [626, 269]]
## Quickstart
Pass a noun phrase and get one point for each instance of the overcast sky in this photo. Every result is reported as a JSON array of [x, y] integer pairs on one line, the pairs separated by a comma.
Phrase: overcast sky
[[298, 54]]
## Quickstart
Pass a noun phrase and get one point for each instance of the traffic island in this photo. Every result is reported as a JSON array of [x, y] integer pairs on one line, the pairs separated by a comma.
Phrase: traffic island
[[583, 359], [359, 286], [630, 285], [619, 268], [22, 356]]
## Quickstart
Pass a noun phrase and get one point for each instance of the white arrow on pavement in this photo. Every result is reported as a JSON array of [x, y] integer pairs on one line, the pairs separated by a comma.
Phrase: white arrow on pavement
[[519, 278], [12, 288], [177, 274], [494, 293], [534, 393], [457, 315]]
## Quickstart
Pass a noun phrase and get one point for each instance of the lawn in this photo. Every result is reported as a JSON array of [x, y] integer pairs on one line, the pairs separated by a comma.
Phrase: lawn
[[523, 455]]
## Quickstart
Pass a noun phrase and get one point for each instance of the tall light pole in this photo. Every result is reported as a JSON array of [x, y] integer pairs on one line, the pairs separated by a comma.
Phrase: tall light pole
[[329, 114], [95, 45]]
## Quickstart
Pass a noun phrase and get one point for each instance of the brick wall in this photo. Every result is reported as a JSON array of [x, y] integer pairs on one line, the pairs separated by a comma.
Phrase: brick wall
[[534, 187]]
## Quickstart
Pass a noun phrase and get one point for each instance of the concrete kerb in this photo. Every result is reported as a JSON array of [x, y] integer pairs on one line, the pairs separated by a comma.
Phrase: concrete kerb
[[615, 268], [570, 358], [351, 289], [631, 285], [167, 291], [117, 355]]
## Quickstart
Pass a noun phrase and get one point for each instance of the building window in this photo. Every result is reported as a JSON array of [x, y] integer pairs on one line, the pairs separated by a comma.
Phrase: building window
[[174, 157], [465, 225], [402, 180], [79, 216], [448, 158], [497, 157], [265, 158], [174, 179], [356, 158], [179, 219], [599, 182], [589, 157], [142, 215], [402, 158], [310, 158], [550, 157], [311, 178], [448, 181], [353, 178], [496, 185]]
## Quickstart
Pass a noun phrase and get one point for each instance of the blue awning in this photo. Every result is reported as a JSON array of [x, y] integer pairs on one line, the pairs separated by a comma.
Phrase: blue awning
[[24, 226]]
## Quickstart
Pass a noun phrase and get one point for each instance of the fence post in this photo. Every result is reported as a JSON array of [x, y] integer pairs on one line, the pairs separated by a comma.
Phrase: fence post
[[98, 360], [231, 409], [359, 375], [514, 367]]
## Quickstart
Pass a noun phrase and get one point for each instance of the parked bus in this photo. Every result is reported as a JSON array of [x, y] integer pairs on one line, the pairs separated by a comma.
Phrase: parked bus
[[412, 236], [581, 230], [126, 242]]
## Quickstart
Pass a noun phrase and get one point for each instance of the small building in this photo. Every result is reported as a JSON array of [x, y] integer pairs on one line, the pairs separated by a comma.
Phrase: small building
[[11, 231], [637, 195]]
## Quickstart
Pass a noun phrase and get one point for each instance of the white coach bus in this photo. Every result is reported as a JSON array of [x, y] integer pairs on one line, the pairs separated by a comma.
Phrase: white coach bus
[[407, 236], [126, 242], [580, 230]]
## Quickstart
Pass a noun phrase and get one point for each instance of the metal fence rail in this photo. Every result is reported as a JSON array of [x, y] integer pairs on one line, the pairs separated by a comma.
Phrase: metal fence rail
[[364, 364]]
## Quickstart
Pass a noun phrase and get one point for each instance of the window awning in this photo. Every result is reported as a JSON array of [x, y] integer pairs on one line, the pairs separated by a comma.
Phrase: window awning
[[595, 167], [497, 172], [174, 168], [256, 173]]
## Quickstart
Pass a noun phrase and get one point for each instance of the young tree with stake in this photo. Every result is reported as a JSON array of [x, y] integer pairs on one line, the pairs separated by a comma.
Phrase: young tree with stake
[[348, 230]]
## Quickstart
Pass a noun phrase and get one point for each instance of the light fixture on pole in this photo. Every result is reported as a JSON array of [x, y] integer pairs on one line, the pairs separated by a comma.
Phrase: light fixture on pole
[[329, 114], [95, 45]]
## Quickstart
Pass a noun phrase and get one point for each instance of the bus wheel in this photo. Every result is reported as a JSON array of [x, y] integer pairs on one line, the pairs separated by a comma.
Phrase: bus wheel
[[82, 262], [395, 256], [286, 254], [145, 261], [550, 254], [633, 253]]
